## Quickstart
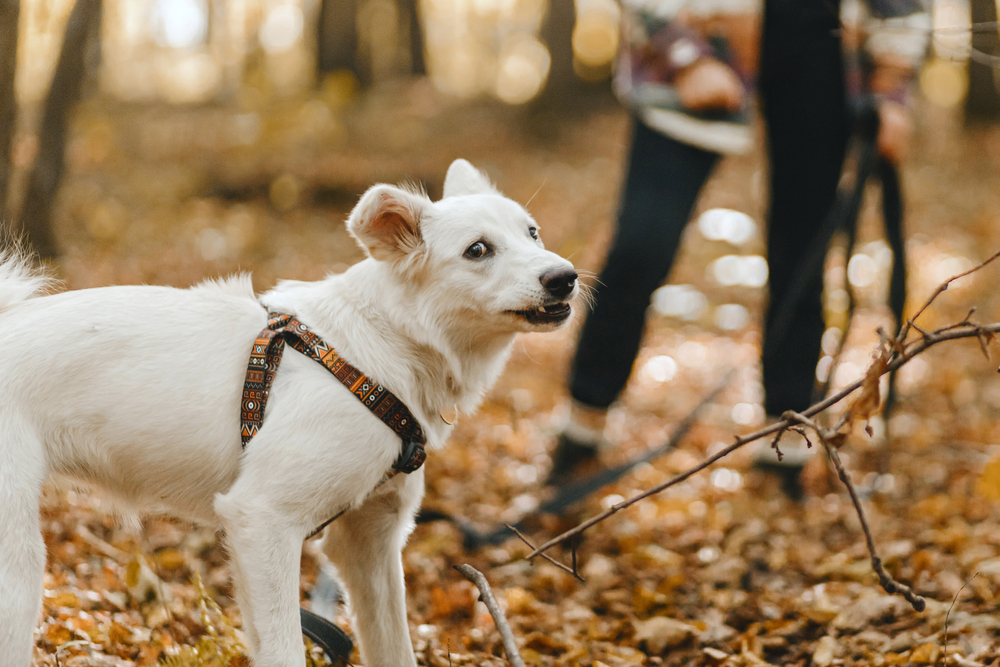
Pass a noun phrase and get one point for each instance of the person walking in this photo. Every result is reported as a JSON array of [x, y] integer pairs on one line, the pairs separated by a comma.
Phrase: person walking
[[687, 70]]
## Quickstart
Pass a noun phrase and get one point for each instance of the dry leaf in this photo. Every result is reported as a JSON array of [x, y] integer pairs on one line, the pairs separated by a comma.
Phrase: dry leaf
[[661, 632], [988, 484], [826, 649], [869, 398]]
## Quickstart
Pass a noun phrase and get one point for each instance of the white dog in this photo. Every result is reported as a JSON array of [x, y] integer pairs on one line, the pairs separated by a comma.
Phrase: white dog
[[137, 390]]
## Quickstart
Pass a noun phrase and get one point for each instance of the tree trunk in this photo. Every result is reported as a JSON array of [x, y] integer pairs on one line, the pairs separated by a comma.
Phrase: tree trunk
[[557, 34], [67, 81], [9, 12], [337, 40], [410, 14], [983, 101]]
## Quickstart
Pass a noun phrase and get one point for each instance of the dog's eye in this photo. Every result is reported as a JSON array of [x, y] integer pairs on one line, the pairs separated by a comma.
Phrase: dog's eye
[[478, 250], [533, 232]]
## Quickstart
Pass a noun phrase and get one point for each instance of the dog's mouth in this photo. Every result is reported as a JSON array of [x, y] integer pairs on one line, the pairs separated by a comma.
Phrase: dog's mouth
[[551, 314]]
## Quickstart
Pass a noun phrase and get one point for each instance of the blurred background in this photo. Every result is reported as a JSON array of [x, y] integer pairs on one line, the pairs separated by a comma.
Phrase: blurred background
[[166, 141]]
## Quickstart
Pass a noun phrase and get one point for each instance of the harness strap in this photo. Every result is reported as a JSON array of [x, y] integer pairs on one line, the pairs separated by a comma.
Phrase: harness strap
[[265, 356]]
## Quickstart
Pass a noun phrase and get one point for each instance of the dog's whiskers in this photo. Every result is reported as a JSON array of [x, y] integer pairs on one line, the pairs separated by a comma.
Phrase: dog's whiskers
[[587, 295], [590, 275]]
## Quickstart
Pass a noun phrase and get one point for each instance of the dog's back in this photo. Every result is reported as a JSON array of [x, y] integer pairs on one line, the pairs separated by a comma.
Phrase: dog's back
[[116, 390]]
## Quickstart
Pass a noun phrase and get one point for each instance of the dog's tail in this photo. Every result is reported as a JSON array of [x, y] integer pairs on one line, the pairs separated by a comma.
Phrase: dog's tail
[[20, 278]]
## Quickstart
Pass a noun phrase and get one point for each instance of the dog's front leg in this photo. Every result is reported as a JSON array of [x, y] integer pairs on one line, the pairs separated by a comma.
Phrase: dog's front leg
[[265, 548], [365, 545]]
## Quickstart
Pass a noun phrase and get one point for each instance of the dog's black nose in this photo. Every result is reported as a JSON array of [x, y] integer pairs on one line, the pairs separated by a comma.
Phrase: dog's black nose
[[559, 282]]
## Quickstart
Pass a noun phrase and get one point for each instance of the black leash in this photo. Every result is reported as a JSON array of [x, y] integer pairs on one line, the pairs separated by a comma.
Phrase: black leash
[[572, 493], [334, 641]]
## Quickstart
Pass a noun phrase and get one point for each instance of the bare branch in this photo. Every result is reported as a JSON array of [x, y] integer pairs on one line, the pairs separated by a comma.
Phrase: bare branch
[[913, 349], [503, 627], [564, 568], [905, 329], [898, 352], [885, 579]]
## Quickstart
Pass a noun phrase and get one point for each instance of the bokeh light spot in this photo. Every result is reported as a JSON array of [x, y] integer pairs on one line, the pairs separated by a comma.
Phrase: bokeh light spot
[[723, 224], [681, 301], [731, 316], [661, 368], [524, 66], [281, 29], [180, 24]]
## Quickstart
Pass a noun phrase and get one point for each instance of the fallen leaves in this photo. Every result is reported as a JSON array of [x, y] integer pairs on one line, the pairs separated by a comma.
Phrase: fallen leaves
[[661, 632], [988, 484]]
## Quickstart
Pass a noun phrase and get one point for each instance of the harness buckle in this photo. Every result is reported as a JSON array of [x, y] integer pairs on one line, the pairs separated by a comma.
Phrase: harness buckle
[[411, 458]]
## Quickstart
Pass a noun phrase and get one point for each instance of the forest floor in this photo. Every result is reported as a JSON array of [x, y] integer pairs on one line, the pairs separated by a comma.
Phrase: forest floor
[[722, 569]]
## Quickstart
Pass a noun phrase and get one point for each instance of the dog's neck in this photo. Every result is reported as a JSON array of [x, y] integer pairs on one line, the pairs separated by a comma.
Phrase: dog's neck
[[377, 322]]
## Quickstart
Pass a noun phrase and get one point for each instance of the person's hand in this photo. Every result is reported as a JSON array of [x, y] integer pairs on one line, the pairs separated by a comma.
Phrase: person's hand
[[709, 84], [894, 129]]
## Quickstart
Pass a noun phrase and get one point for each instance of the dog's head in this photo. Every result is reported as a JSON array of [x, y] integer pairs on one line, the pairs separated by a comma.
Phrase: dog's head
[[473, 253]]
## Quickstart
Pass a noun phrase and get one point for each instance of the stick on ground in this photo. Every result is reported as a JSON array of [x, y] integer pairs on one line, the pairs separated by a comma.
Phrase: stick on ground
[[503, 627]]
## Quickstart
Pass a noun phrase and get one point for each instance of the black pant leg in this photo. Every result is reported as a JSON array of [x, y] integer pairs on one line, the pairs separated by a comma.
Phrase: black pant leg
[[802, 86], [662, 183]]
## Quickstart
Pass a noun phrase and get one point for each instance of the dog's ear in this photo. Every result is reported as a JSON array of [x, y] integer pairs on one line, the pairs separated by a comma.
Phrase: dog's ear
[[386, 222], [464, 179]]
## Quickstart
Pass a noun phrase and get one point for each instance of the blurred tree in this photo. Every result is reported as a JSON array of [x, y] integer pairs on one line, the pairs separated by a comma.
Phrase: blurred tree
[[557, 34], [9, 12], [410, 17], [337, 40], [67, 83], [983, 101]]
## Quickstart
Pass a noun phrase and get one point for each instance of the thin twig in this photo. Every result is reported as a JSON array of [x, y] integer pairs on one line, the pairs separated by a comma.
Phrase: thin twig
[[885, 579], [499, 620], [948, 614], [905, 329], [561, 566], [975, 27], [618, 507]]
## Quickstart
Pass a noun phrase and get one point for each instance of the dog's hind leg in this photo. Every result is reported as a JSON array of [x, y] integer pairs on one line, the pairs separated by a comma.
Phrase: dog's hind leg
[[22, 550], [365, 545]]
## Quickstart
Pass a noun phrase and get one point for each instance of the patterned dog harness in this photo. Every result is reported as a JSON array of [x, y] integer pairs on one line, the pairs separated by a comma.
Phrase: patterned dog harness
[[264, 359]]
